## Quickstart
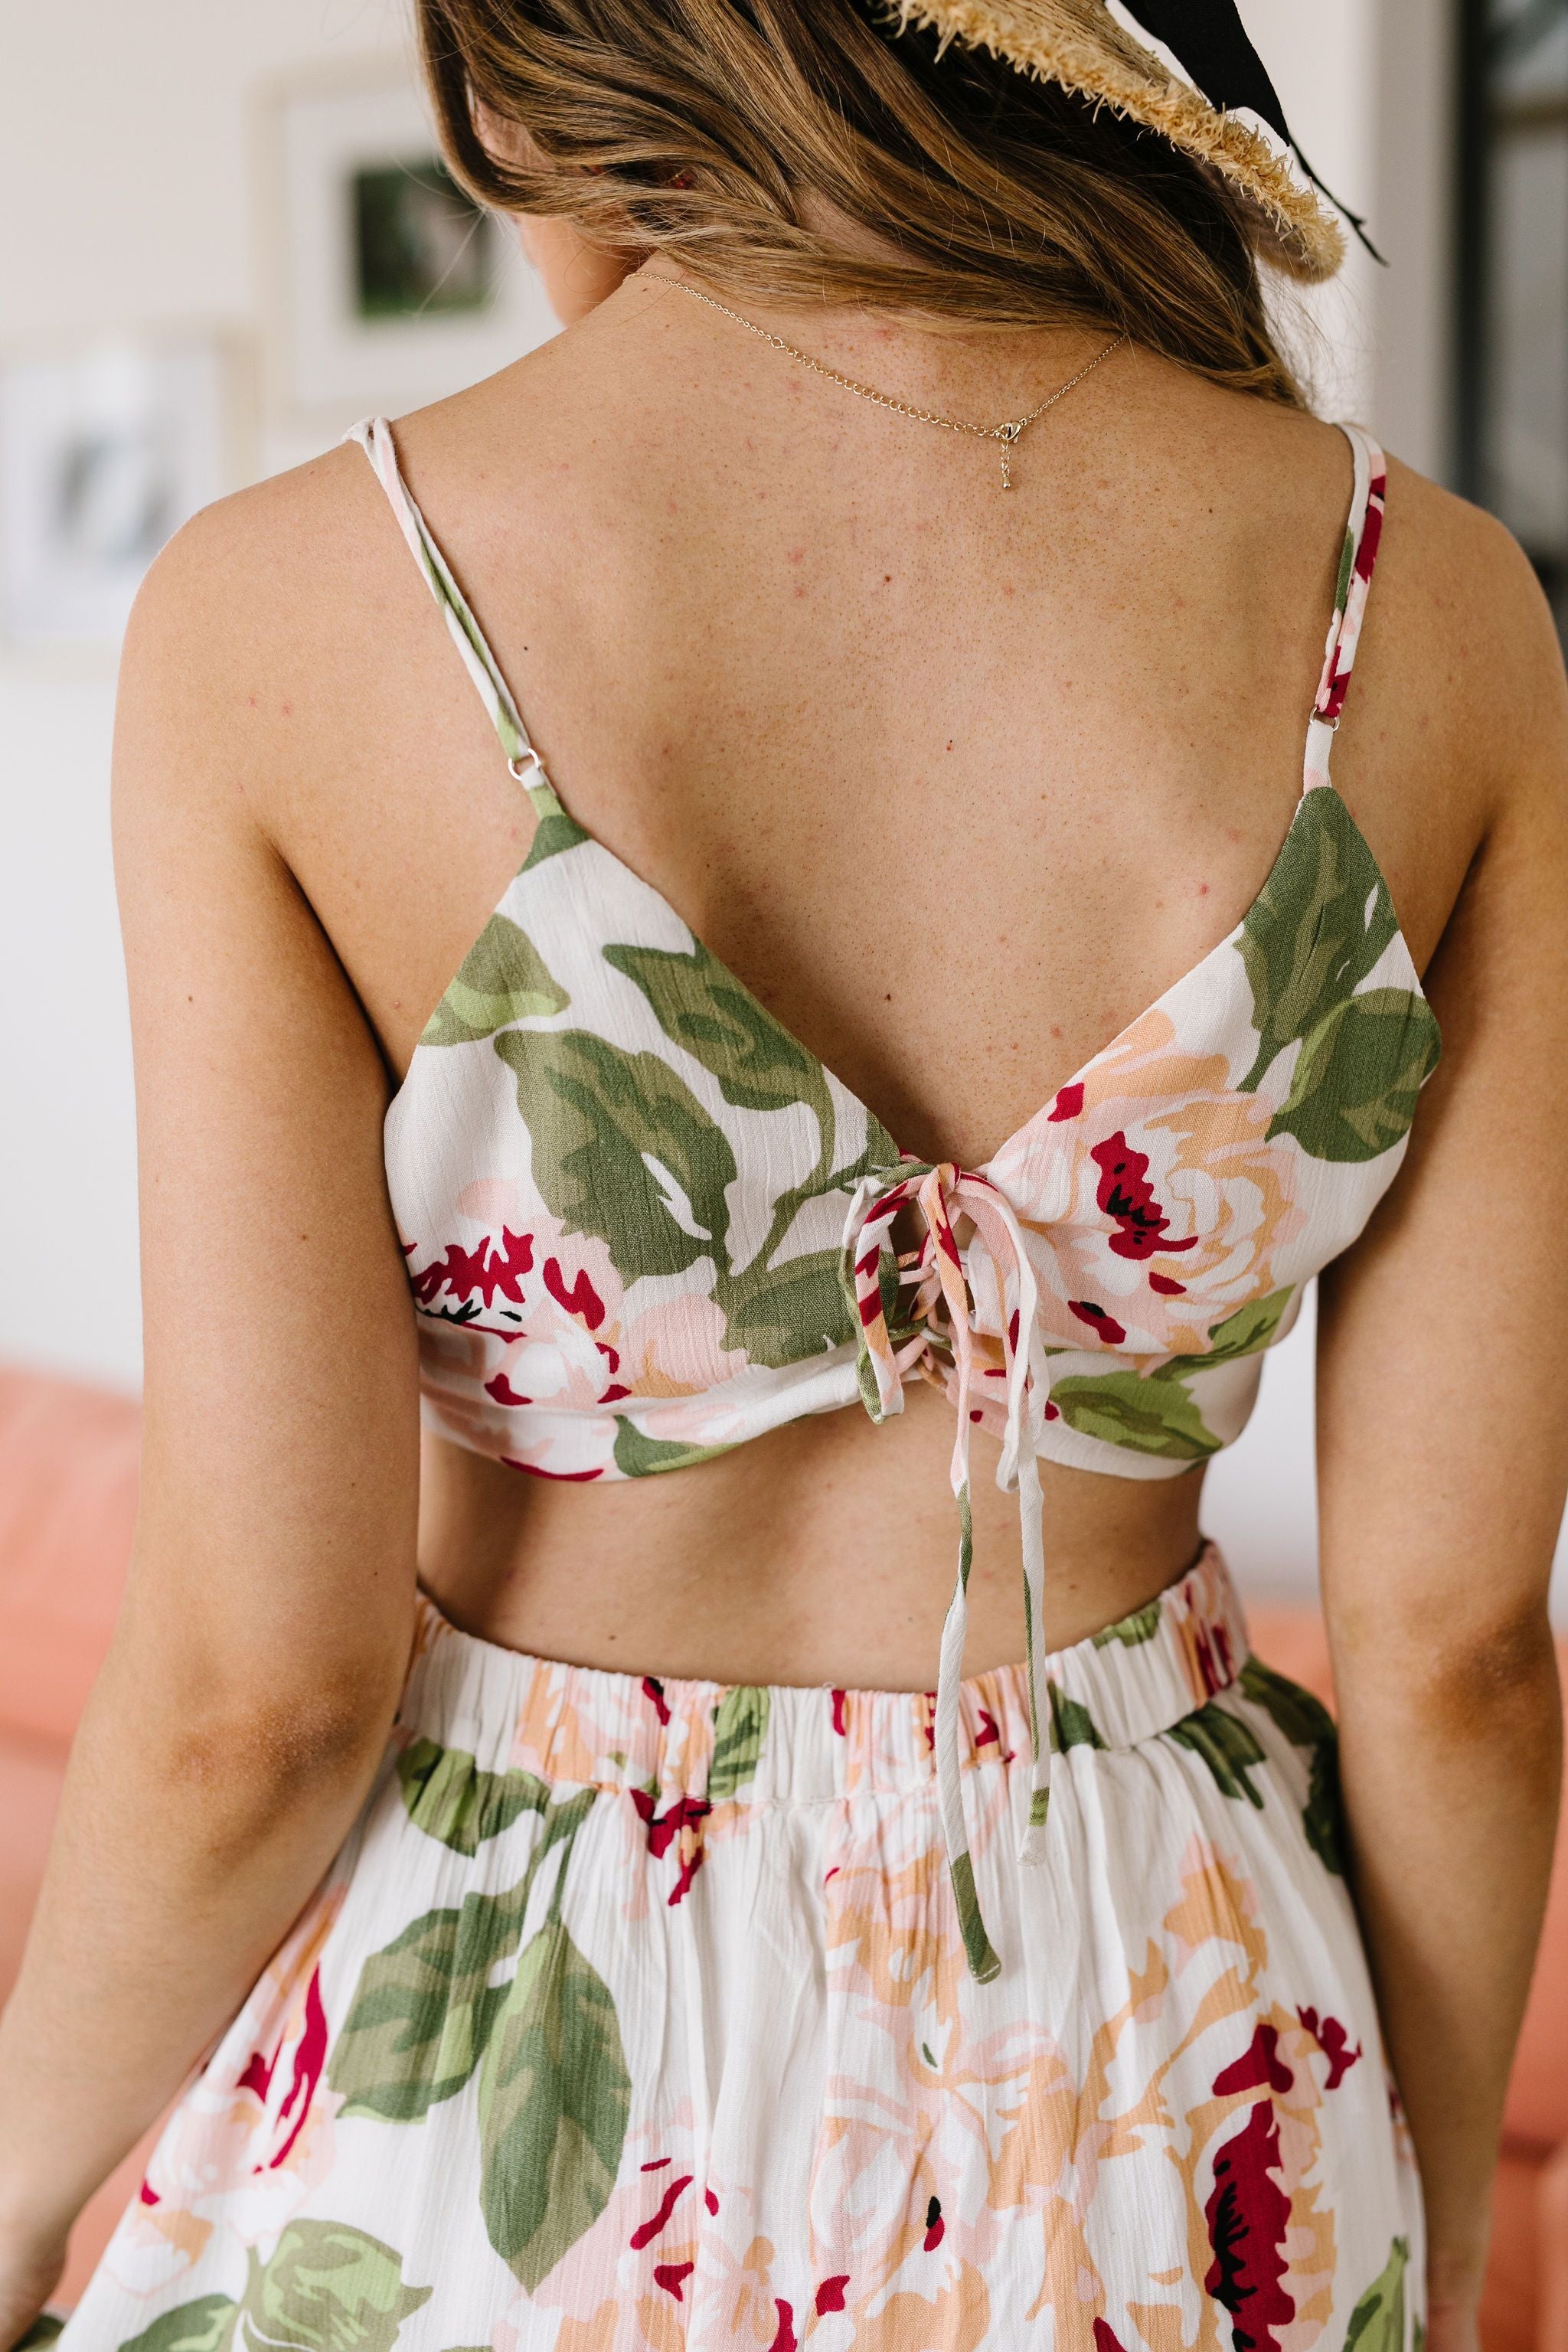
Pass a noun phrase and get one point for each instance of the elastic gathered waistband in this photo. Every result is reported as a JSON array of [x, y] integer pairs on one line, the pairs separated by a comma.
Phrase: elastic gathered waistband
[[583, 1727]]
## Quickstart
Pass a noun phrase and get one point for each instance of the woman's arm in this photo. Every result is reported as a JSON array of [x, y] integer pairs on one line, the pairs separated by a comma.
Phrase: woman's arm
[[254, 1672], [1443, 1458]]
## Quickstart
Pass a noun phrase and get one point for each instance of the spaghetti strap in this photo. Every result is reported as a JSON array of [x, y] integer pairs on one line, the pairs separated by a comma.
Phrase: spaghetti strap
[[1364, 532], [373, 434]]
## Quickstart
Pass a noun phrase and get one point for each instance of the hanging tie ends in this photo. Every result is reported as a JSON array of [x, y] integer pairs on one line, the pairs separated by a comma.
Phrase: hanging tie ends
[[873, 1275]]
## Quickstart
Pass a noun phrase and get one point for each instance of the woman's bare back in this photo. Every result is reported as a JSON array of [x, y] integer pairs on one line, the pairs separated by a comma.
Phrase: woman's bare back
[[957, 782]]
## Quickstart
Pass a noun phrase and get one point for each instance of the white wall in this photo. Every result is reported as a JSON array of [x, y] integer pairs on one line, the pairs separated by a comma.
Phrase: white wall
[[127, 178], [127, 198]]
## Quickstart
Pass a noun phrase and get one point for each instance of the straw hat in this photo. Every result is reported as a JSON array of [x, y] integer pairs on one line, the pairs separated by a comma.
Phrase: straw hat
[[1081, 45]]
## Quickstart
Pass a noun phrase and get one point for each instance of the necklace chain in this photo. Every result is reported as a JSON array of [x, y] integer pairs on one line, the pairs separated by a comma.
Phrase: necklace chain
[[1007, 432]]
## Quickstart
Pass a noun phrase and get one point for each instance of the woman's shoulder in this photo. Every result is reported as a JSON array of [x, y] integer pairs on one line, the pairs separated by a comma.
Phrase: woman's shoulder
[[277, 624], [1465, 623]]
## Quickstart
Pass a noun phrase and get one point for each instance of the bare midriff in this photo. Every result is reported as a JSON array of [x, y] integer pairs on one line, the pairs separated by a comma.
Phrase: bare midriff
[[821, 1553]]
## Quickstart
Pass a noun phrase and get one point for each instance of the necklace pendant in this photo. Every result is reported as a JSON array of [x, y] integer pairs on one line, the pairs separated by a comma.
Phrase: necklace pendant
[[1008, 436]]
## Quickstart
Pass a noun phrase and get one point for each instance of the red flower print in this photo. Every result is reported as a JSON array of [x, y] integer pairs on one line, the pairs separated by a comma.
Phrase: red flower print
[[683, 1821], [258, 2076], [652, 1688], [1126, 1195], [837, 1698], [1109, 1329], [785, 2341], [647, 2232], [1163, 1285], [1214, 1658], [310, 2057], [566, 1477], [936, 2228], [989, 1734], [1106, 2340], [581, 1299], [148, 2194], [489, 1267], [1069, 1101], [672, 2277], [1248, 2215], [1334, 2043], [1260, 2069], [830, 2293], [501, 1389]]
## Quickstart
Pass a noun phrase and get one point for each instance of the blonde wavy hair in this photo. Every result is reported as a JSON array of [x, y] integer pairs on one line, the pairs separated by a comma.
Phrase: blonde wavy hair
[[724, 133]]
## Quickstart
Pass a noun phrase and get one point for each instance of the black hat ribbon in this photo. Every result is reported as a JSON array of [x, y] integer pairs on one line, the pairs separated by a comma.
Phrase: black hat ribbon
[[1210, 43]]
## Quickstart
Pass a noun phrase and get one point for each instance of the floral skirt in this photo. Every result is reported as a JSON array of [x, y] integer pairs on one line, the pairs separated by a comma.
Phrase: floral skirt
[[635, 2015]]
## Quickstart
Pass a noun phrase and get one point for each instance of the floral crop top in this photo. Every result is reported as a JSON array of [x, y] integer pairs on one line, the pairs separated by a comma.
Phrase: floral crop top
[[643, 1222]]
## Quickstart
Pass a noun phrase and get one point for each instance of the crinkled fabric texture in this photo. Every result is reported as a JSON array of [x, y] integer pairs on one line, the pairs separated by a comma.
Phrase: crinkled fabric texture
[[634, 2016]]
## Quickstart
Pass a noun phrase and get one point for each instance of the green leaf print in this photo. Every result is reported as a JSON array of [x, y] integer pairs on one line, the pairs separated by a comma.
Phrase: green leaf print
[[555, 2096], [1246, 1333], [1227, 1746], [1306, 1723], [449, 1797], [621, 1149], [1359, 1075], [204, 2325], [555, 829], [1377, 2323], [703, 1007], [1072, 1725], [637, 1456], [778, 1312], [1138, 1625], [1346, 572], [782, 1315], [983, 1961], [740, 1727], [423, 2007], [1318, 927], [1152, 1414], [328, 2288], [1301, 1716], [502, 979]]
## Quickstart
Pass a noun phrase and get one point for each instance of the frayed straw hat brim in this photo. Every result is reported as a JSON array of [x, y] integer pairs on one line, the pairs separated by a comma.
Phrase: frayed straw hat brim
[[1079, 44]]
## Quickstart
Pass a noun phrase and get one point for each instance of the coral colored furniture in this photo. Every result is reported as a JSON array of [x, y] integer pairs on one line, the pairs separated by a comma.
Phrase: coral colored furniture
[[67, 1498]]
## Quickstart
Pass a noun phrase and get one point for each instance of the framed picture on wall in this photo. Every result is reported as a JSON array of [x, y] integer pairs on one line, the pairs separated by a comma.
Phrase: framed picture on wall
[[387, 286], [105, 449]]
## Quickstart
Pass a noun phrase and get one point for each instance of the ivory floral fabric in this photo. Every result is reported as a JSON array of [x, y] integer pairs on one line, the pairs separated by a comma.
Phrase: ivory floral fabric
[[630, 1199], [643, 1223], [634, 2016]]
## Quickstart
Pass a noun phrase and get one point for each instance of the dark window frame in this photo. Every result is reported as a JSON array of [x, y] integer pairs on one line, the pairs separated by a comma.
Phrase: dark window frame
[[1474, 387]]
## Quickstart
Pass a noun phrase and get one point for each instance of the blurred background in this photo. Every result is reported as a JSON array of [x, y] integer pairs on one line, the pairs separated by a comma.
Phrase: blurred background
[[225, 236]]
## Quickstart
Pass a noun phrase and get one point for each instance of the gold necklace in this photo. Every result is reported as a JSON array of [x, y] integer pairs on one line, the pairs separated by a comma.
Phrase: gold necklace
[[1007, 432]]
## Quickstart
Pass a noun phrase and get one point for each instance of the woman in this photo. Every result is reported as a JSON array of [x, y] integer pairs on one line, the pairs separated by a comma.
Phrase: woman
[[609, 1909]]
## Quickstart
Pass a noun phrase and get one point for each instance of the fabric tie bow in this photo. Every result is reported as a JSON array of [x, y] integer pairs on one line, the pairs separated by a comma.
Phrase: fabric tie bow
[[873, 1277]]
